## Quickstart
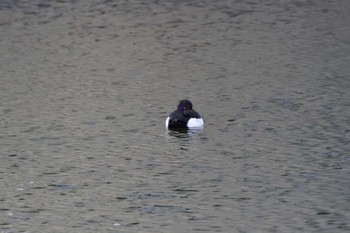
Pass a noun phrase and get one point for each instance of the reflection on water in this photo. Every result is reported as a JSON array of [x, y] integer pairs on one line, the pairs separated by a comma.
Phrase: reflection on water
[[184, 133], [86, 86]]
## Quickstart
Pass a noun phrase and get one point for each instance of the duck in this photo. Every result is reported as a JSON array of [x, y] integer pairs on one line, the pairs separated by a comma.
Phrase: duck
[[184, 117]]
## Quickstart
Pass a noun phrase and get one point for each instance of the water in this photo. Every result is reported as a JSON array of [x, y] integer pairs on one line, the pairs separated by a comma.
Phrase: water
[[87, 85]]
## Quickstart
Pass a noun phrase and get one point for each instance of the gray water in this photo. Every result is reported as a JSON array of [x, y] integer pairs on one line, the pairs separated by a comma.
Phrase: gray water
[[85, 88]]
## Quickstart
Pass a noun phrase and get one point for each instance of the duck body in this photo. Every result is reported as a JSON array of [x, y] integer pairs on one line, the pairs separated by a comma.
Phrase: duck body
[[184, 117]]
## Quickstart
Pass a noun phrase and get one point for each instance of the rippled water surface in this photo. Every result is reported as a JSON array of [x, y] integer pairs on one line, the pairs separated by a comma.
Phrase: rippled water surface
[[87, 85]]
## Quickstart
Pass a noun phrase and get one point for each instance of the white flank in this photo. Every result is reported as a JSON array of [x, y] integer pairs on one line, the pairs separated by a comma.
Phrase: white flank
[[195, 123], [167, 122]]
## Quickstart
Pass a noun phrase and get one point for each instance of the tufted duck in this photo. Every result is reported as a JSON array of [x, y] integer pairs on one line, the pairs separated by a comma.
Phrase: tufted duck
[[184, 117]]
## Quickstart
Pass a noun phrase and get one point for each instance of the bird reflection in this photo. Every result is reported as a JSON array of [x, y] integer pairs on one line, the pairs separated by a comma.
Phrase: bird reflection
[[184, 133]]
